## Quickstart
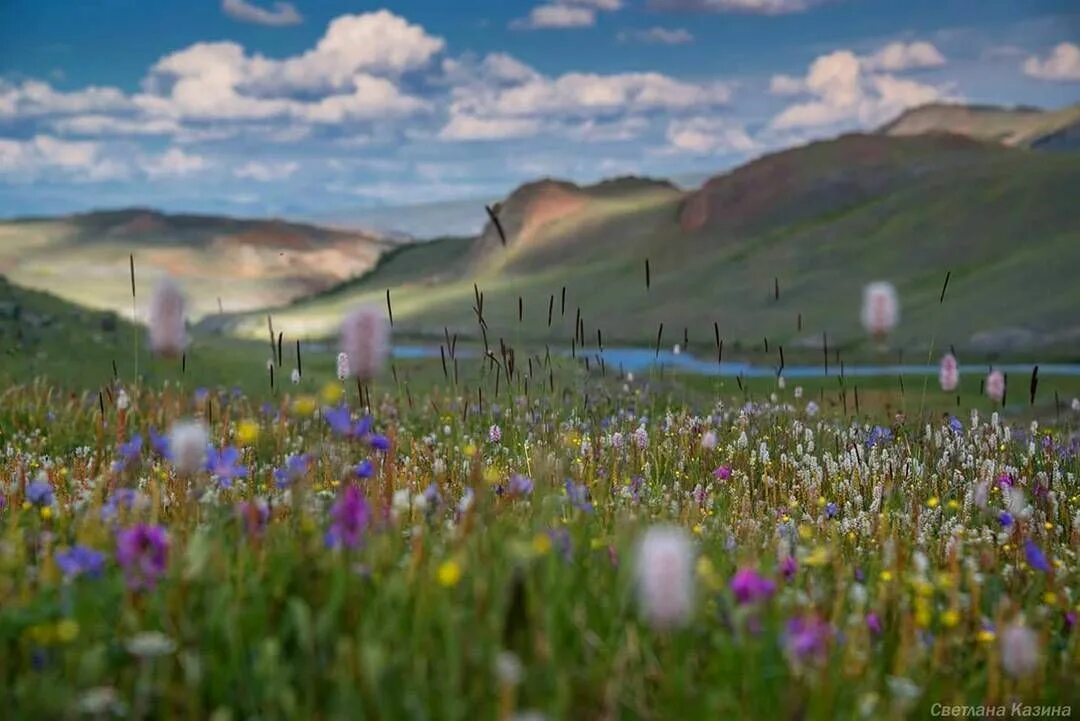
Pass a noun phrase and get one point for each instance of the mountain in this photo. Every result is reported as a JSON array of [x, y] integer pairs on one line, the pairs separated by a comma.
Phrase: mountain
[[246, 264], [1019, 126], [819, 220]]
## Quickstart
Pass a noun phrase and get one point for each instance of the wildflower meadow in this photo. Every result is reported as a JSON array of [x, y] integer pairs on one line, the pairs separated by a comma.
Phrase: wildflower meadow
[[587, 546]]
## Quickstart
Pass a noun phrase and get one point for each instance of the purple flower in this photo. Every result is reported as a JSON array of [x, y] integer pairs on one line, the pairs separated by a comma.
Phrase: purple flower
[[633, 488], [121, 497], [722, 473], [79, 560], [520, 485], [295, 468], [350, 519], [749, 586], [129, 452], [341, 423], [160, 444], [1005, 519], [379, 442], [579, 496], [830, 510], [955, 424], [431, 496], [806, 638], [1035, 557], [143, 552], [873, 622], [365, 469], [789, 566], [494, 434], [222, 464], [878, 434], [40, 493], [1006, 480]]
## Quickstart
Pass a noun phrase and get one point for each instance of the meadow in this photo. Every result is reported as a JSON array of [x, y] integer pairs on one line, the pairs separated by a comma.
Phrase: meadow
[[465, 543]]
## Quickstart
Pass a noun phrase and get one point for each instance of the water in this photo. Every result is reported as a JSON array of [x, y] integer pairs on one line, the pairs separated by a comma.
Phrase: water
[[642, 360]]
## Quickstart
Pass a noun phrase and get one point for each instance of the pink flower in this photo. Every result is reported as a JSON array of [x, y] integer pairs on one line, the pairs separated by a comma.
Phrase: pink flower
[[880, 309], [665, 578], [168, 332], [722, 473], [949, 373], [749, 586], [995, 386], [365, 340]]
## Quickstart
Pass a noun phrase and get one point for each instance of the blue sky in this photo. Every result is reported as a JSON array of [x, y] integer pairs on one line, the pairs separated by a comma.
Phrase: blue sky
[[310, 108]]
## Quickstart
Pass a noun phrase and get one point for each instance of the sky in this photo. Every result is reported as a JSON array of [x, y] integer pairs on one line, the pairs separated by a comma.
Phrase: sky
[[311, 108]]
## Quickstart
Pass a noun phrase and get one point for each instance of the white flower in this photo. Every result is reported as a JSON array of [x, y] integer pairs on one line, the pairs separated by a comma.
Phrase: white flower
[[150, 644], [677, 349], [708, 441], [508, 668], [187, 445], [665, 580], [1076, 405], [295, 376], [123, 401], [342, 366], [811, 409], [798, 392], [781, 383], [1019, 650]]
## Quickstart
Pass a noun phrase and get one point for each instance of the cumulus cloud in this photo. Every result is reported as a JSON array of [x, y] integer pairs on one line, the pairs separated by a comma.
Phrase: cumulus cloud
[[750, 7], [529, 102], [1062, 64], [34, 98], [843, 88], [708, 135], [565, 14], [283, 13], [173, 163], [266, 172], [26, 160], [657, 36], [899, 56]]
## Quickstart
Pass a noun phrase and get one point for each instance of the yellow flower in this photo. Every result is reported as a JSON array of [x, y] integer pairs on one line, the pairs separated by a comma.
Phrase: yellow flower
[[1050, 598], [985, 635], [67, 630], [953, 504], [950, 618], [1048, 526], [886, 576], [922, 588], [305, 405], [818, 557], [821, 500], [247, 431], [597, 543], [492, 475], [698, 529], [933, 502], [922, 612], [707, 573], [805, 532], [470, 450], [331, 393], [541, 544], [449, 574], [46, 512]]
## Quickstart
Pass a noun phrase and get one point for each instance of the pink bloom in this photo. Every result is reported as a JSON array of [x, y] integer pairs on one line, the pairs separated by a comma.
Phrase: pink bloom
[[168, 332], [749, 586], [722, 473], [995, 386], [949, 373], [880, 309], [665, 578], [365, 340]]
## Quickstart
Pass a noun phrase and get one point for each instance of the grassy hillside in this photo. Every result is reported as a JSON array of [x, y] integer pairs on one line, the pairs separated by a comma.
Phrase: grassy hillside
[[244, 263], [822, 219], [1028, 127]]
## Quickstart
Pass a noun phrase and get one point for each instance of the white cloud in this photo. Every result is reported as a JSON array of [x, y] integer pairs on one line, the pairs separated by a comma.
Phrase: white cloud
[[34, 98], [108, 125], [707, 135], [267, 172], [1062, 64], [173, 163], [26, 160], [843, 88], [898, 56], [284, 13], [657, 36], [544, 17], [609, 131], [469, 127], [754, 7]]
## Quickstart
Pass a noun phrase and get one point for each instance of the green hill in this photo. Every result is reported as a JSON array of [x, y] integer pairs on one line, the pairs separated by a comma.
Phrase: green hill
[[821, 219], [245, 264], [1021, 126]]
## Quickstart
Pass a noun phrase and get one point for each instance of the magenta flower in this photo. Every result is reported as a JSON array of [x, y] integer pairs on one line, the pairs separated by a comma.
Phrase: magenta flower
[[351, 518], [873, 622], [722, 473], [143, 552], [749, 586], [789, 566], [806, 638]]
